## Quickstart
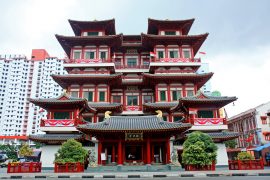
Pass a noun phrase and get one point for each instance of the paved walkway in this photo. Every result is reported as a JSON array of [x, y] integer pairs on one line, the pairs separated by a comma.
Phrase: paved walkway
[[182, 173]]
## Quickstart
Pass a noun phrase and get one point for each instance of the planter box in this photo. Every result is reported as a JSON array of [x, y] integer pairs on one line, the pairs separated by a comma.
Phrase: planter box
[[25, 167], [68, 167], [246, 164], [192, 167]]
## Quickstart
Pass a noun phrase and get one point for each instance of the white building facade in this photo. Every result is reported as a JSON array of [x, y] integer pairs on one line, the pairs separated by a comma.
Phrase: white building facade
[[20, 79]]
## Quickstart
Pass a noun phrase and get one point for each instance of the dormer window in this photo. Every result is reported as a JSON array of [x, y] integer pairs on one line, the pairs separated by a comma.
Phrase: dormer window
[[170, 33], [93, 33]]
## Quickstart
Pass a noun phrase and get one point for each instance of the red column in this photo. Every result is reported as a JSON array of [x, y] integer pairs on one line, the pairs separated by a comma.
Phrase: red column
[[108, 94], [148, 152], [184, 91], [96, 94], [140, 100], [95, 118], [81, 92], [170, 119], [113, 153], [168, 152], [169, 93], [99, 152], [156, 93], [124, 99], [120, 161], [97, 52], [166, 52], [109, 55]]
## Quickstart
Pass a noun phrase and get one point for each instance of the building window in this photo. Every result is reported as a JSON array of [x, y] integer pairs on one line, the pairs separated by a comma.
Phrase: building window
[[77, 55], [131, 62], [162, 95], [205, 114], [74, 94], [190, 93], [176, 95], [88, 95], [177, 118], [160, 54], [165, 118], [173, 54], [103, 55], [132, 100], [61, 115], [102, 96], [147, 99], [186, 53], [116, 99], [264, 119], [89, 55], [94, 33], [170, 33]]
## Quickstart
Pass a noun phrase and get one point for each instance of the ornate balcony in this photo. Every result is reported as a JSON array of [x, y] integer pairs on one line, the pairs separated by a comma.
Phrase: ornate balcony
[[72, 61], [208, 121], [117, 66], [179, 60], [57, 123]]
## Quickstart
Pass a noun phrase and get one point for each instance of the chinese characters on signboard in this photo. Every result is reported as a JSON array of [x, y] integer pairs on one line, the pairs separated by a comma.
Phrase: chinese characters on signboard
[[134, 137]]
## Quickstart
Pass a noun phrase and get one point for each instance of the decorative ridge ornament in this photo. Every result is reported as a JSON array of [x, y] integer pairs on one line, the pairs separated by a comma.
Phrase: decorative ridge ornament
[[107, 114], [159, 113]]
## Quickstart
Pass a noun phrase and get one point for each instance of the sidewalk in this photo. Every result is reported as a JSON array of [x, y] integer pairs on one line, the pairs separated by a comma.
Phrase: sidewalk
[[87, 174]]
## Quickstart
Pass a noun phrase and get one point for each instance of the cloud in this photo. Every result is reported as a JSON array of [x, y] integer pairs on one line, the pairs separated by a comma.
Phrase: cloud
[[243, 74]]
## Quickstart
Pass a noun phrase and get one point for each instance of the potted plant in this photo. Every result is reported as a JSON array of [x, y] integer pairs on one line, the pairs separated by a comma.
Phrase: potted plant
[[245, 161], [70, 157], [199, 152]]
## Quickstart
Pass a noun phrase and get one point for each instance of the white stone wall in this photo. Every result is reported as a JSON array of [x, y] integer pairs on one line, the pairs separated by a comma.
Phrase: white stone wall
[[261, 111], [48, 155], [222, 157]]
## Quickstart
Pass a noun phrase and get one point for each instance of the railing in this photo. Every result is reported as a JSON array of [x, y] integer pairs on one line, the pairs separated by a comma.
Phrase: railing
[[208, 121], [87, 61], [192, 167], [68, 167], [183, 60], [57, 122], [174, 71], [25, 167], [246, 164], [132, 108], [117, 66]]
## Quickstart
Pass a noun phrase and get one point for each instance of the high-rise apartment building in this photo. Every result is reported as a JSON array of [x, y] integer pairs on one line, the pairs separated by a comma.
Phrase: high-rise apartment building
[[20, 79]]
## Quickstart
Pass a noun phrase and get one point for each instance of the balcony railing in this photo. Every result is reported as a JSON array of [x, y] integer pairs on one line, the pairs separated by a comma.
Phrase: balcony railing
[[117, 66], [132, 108], [208, 121], [182, 60], [87, 60], [57, 122]]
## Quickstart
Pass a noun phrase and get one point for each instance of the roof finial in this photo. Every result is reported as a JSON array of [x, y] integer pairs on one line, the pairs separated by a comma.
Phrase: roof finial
[[107, 114], [159, 113], [64, 91]]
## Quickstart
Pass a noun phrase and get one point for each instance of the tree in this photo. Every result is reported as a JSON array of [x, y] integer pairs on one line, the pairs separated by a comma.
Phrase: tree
[[230, 144], [71, 151], [199, 149], [10, 150], [38, 145], [25, 150]]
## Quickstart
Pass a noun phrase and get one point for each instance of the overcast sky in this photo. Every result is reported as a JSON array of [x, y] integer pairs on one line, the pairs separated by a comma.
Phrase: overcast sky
[[238, 46]]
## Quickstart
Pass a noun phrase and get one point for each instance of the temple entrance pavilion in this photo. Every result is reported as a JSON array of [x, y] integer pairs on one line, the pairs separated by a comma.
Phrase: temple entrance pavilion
[[133, 140]]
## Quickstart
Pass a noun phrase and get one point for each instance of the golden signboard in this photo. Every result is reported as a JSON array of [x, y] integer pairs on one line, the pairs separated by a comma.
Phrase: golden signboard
[[134, 137]]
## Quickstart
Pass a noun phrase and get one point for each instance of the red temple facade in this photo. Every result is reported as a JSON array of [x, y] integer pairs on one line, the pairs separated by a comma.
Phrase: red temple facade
[[115, 85]]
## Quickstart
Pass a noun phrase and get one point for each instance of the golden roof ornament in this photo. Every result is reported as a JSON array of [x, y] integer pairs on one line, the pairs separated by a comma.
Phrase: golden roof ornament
[[159, 113], [107, 114]]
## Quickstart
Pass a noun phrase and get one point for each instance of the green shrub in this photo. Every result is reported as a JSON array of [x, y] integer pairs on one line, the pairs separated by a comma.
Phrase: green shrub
[[199, 149], [26, 150], [71, 151], [245, 156], [230, 144]]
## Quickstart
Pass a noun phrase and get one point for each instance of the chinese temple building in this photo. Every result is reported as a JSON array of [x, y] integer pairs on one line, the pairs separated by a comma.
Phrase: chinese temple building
[[132, 98]]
